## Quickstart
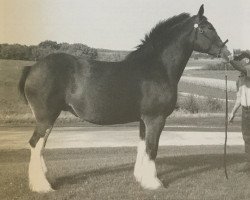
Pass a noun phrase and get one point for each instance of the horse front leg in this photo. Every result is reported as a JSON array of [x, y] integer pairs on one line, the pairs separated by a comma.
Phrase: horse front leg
[[141, 150], [147, 152]]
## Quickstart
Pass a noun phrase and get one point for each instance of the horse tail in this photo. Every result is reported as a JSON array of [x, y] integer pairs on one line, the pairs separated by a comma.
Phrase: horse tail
[[25, 73]]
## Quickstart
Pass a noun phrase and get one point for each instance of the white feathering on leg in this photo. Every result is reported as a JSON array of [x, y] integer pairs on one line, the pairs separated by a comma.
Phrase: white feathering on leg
[[149, 178], [37, 178], [44, 167], [141, 151]]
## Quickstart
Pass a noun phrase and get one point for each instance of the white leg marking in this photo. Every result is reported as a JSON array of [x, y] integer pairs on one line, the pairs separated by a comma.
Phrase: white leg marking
[[37, 179], [149, 178], [43, 165], [141, 151]]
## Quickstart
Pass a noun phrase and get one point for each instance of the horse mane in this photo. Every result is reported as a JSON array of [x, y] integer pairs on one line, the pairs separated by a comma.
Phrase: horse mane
[[156, 38]]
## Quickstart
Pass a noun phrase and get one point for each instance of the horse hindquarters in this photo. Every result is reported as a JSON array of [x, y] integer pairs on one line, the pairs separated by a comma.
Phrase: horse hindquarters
[[145, 170], [46, 102], [45, 118]]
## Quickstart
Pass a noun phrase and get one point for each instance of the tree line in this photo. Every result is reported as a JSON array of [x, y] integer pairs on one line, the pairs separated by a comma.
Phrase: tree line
[[36, 52]]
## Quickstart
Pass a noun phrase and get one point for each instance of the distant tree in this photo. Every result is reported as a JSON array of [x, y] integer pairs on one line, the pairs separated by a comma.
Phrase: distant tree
[[78, 50], [49, 44], [33, 52], [15, 51], [63, 47]]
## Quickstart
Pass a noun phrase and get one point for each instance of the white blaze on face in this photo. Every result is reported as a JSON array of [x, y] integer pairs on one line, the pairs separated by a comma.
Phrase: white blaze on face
[[37, 178], [145, 171]]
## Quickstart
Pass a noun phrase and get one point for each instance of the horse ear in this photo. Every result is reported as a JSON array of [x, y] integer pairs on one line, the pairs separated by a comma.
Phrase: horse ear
[[201, 11]]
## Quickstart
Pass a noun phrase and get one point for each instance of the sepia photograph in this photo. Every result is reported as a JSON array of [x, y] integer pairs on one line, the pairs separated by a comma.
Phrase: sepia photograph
[[124, 99]]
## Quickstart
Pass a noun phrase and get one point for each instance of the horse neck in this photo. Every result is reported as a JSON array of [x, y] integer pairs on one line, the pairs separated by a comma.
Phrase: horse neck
[[175, 57]]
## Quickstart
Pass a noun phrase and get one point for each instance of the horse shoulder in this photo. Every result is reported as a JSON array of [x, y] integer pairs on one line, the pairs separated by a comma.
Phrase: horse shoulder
[[158, 96]]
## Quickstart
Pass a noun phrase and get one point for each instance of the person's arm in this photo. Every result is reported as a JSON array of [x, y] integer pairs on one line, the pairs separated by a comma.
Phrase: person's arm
[[235, 109], [238, 66], [244, 54], [237, 103]]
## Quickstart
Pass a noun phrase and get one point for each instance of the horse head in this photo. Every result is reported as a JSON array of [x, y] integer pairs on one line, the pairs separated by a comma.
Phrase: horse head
[[206, 39]]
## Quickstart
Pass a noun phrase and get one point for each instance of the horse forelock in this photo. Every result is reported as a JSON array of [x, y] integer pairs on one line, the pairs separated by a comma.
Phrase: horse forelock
[[157, 36]]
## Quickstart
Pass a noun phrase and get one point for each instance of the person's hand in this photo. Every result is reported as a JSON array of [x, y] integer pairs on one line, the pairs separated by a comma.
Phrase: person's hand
[[244, 54]]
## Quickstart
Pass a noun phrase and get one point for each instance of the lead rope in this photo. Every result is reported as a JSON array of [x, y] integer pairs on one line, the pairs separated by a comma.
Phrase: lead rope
[[226, 126]]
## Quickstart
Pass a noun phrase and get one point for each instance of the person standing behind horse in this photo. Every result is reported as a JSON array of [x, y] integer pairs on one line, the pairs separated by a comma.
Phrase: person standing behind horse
[[241, 63], [237, 104]]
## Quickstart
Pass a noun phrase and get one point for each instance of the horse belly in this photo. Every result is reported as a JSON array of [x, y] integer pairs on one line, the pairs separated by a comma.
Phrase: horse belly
[[98, 116], [106, 107]]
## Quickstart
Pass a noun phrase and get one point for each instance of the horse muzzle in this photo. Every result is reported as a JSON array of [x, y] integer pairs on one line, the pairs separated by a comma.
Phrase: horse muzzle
[[223, 50]]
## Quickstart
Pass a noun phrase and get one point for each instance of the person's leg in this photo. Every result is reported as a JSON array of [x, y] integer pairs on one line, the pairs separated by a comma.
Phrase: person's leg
[[245, 126]]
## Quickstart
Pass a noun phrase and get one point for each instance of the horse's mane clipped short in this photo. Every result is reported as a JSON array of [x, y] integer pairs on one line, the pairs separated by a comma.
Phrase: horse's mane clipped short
[[157, 36]]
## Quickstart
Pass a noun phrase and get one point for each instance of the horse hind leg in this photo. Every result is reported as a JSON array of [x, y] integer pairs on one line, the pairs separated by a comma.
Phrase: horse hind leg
[[44, 167], [45, 117], [37, 168], [148, 177]]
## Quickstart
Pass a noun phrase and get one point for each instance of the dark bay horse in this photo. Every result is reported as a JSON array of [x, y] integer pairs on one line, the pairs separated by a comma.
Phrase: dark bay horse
[[143, 88]]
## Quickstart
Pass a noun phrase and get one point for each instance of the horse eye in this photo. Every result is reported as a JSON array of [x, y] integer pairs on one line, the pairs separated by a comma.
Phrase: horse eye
[[201, 30]]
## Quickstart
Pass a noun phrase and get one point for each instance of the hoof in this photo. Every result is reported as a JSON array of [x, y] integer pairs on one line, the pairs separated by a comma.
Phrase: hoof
[[41, 189], [151, 183], [138, 175]]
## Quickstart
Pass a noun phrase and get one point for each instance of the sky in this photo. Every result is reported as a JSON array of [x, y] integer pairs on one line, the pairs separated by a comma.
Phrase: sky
[[114, 24]]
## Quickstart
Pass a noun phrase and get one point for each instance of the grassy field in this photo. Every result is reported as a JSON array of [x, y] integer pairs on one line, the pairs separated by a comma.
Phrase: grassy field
[[106, 173], [10, 71], [205, 91]]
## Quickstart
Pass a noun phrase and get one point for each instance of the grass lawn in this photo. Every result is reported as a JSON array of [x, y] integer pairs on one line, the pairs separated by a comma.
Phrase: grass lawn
[[10, 72], [107, 173]]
